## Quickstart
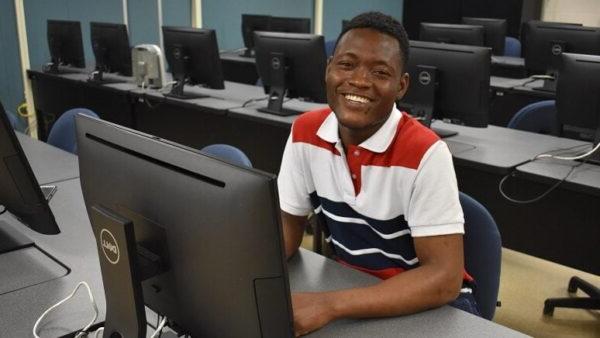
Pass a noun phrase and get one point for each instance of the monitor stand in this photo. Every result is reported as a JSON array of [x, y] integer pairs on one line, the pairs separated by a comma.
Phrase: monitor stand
[[278, 85], [178, 93], [53, 68], [11, 239], [97, 77]]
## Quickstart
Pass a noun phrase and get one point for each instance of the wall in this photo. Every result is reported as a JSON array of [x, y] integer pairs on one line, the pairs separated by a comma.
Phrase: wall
[[11, 85], [225, 16], [586, 12], [334, 11]]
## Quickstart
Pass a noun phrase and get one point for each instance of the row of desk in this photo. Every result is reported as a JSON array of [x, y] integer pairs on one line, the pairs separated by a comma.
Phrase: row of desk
[[548, 229], [74, 258]]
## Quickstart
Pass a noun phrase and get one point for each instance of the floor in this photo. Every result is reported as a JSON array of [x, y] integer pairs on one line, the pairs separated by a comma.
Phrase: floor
[[525, 283]]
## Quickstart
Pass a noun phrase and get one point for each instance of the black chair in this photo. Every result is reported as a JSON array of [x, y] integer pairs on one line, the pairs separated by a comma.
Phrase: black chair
[[590, 303]]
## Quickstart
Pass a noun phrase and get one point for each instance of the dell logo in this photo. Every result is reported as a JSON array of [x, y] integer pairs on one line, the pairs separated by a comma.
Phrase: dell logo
[[177, 53], [275, 63], [109, 245], [424, 78], [556, 49]]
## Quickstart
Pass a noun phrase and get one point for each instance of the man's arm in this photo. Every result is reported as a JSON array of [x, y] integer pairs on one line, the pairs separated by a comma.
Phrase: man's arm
[[293, 232], [435, 282]]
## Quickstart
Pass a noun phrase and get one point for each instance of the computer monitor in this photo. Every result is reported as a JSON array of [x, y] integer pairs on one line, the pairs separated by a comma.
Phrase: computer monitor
[[65, 45], [20, 193], [110, 44], [546, 42], [577, 99], [448, 82], [205, 236], [251, 23], [525, 26], [292, 64], [193, 57], [494, 32], [290, 25], [451, 33]]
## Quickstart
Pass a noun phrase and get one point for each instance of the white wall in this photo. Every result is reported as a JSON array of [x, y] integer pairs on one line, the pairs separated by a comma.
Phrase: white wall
[[586, 12]]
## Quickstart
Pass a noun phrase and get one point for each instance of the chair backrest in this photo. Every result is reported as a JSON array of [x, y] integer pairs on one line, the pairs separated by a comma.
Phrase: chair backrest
[[512, 47], [538, 117], [62, 134], [329, 47], [228, 153], [483, 253]]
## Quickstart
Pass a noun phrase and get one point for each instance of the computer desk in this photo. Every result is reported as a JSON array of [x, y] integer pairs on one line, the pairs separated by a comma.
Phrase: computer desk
[[50, 164], [75, 248]]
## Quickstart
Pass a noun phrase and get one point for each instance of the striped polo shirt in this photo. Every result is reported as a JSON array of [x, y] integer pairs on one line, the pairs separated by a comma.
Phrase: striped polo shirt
[[374, 198]]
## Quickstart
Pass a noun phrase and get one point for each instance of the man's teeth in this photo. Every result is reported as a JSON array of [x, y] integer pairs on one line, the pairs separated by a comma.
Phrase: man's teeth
[[356, 98]]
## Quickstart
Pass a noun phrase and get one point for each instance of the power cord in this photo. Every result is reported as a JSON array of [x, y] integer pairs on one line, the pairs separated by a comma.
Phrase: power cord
[[82, 331], [254, 100]]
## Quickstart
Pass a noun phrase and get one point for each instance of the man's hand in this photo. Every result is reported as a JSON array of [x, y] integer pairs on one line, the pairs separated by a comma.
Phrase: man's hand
[[312, 311]]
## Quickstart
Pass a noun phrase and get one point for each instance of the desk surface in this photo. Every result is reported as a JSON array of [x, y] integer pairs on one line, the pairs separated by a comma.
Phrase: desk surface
[[75, 247], [508, 61], [499, 149], [584, 178], [49, 164]]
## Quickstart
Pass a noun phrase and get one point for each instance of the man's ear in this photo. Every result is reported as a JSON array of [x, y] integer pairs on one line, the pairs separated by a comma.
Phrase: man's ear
[[403, 85]]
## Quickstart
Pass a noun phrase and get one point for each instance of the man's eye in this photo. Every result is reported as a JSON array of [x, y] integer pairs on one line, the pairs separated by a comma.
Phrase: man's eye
[[344, 64], [381, 73]]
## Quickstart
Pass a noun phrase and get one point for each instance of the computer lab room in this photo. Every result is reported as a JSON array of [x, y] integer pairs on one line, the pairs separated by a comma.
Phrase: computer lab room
[[314, 168]]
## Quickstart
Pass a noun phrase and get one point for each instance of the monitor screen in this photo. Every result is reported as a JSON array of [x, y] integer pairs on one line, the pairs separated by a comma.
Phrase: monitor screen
[[494, 32], [545, 42], [289, 25], [449, 82], [450, 33], [251, 23], [193, 58], [292, 64], [214, 228], [65, 44], [110, 44], [577, 98], [20, 192]]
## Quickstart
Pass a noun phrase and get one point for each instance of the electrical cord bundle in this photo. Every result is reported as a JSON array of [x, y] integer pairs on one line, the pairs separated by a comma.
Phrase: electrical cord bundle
[[554, 186], [84, 332]]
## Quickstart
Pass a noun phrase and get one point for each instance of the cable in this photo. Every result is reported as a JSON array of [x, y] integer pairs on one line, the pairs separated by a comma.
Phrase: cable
[[100, 329], [535, 199], [159, 328], [569, 158], [255, 100], [22, 110], [82, 331]]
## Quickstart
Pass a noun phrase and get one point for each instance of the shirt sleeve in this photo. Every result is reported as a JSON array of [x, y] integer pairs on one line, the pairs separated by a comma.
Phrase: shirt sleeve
[[434, 207], [294, 197]]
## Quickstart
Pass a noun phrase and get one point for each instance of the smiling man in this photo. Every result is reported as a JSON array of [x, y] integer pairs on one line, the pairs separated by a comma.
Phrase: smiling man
[[383, 184]]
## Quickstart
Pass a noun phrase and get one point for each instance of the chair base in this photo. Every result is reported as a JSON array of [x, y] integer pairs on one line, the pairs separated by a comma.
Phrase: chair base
[[590, 303]]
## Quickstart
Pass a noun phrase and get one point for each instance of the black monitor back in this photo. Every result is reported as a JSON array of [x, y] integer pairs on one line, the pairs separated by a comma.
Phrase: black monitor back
[[289, 25], [110, 43], [65, 43], [195, 52], [251, 23], [578, 96], [494, 31], [545, 40], [463, 80], [20, 192], [451, 33], [305, 61], [215, 226]]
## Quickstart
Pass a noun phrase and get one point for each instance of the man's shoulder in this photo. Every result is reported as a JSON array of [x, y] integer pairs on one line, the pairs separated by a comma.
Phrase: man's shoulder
[[311, 121], [411, 143]]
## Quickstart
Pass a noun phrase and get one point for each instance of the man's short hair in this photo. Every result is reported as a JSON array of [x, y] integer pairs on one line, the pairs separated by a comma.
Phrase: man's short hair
[[382, 23]]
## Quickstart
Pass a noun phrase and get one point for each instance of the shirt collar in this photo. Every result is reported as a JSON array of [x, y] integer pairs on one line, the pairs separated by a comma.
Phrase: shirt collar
[[377, 143]]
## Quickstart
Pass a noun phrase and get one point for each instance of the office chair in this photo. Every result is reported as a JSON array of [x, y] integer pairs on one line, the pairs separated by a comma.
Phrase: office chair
[[538, 117], [512, 47], [62, 134], [228, 153], [592, 302], [329, 47], [483, 254]]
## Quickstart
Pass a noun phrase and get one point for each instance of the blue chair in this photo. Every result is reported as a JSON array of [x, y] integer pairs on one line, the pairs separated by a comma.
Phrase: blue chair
[[62, 135], [329, 47], [538, 117], [228, 153], [483, 254], [512, 47]]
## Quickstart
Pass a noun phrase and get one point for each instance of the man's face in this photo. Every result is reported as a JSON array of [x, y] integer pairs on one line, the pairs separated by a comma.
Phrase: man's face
[[364, 78]]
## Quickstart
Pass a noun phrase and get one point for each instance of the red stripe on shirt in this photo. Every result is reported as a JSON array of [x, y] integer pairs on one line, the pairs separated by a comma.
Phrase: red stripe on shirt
[[306, 126]]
